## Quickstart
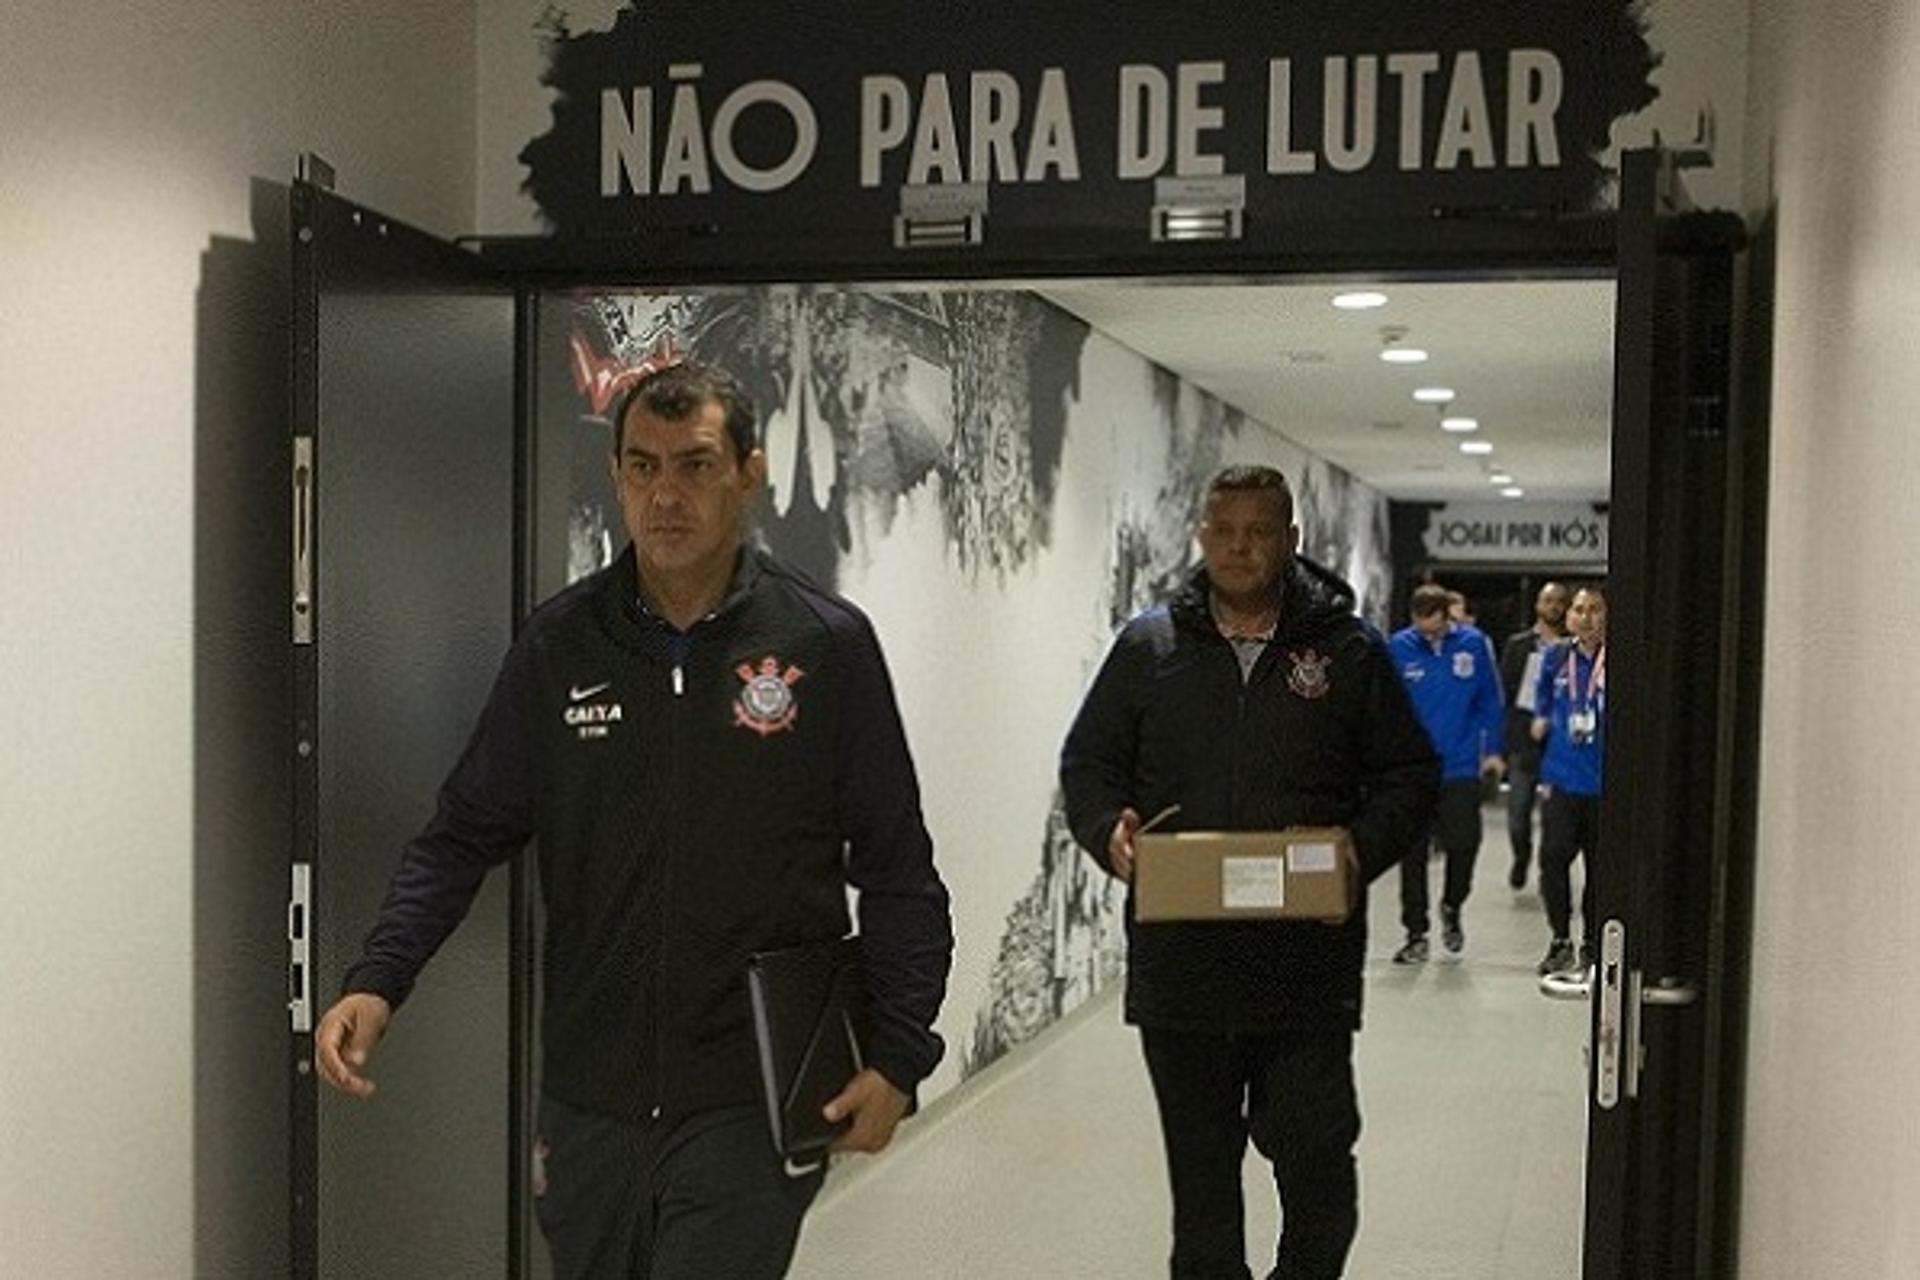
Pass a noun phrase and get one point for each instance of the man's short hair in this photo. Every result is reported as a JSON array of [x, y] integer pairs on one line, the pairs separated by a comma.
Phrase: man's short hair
[[1429, 598], [678, 391], [1255, 480]]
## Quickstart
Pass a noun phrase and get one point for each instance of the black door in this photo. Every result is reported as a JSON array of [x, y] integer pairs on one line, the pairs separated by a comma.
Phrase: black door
[[403, 603], [1678, 678]]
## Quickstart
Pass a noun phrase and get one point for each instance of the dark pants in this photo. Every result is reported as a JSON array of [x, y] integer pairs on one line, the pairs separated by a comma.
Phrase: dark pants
[[705, 1196], [1456, 829], [1523, 773], [1293, 1094], [1569, 825]]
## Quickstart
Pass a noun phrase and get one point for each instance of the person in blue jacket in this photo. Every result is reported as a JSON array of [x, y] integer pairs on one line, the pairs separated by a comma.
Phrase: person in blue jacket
[[1572, 704], [1453, 678]]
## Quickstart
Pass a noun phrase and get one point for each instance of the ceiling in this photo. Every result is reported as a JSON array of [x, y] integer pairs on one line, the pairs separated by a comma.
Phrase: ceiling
[[1532, 360]]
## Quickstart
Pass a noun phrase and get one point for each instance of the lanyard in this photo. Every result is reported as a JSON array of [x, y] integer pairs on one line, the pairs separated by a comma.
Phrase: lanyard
[[1596, 676]]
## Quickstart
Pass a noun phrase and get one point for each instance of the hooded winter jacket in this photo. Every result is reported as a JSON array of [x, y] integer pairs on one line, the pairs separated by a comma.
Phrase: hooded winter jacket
[[696, 796], [1320, 734]]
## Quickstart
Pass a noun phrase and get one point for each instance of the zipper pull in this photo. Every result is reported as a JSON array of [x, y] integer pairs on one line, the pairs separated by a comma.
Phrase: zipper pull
[[679, 681]]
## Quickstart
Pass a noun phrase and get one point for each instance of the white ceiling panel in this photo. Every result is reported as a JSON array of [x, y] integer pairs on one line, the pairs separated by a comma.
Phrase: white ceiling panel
[[1532, 360]]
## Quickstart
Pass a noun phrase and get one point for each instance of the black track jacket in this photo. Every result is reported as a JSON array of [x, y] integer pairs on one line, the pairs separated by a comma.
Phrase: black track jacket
[[1322, 734], [689, 811]]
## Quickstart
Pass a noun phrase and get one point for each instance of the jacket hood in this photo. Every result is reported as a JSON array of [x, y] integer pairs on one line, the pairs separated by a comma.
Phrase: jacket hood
[[1311, 596]]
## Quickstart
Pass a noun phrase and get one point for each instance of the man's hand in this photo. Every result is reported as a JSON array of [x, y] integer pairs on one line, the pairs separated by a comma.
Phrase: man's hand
[[1120, 844], [1539, 728], [345, 1040], [876, 1108], [1494, 767]]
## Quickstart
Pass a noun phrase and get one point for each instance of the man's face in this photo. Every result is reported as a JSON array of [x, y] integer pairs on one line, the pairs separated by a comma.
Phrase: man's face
[[1246, 539], [1433, 625], [683, 493], [1587, 617], [1550, 606]]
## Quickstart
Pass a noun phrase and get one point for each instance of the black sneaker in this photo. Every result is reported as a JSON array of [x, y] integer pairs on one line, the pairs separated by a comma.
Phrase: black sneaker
[[1452, 936], [1517, 875], [1413, 951], [1586, 954], [1559, 958]]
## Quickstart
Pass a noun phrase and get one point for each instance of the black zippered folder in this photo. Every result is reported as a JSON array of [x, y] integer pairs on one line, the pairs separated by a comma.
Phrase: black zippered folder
[[809, 1025]]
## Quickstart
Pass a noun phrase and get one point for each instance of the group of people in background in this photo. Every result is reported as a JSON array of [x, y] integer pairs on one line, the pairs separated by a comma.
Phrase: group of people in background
[[1535, 715]]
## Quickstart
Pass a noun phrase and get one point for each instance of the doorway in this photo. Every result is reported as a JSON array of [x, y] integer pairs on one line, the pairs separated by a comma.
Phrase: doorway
[[1004, 536], [999, 475]]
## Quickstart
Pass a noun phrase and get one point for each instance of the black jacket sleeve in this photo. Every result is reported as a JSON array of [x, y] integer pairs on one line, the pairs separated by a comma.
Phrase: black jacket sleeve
[[1513, 668], [1097, 761], [484, 817], [906, 930], [1400, 774]]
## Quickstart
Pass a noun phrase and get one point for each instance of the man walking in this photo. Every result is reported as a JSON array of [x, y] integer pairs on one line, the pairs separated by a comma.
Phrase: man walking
[[1448, 670], [1520, 659], [708, 751], [1254, 700]]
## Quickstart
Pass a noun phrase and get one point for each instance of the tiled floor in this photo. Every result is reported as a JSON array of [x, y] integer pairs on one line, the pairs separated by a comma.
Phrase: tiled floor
[[1470, 1164]]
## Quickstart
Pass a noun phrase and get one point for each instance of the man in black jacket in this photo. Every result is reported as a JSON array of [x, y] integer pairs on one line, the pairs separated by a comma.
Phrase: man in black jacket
[[708, 751], [1520, 659], [1255, 700]]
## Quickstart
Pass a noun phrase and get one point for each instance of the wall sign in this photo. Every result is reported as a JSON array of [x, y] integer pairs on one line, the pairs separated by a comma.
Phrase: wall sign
[[692, 118], [1537, 533]]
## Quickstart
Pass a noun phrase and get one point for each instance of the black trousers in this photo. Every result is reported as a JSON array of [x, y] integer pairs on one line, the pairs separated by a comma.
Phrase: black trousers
[[702, 1197], [1293, 1094], [1456, 829], [1569, 826], [1523, 773]]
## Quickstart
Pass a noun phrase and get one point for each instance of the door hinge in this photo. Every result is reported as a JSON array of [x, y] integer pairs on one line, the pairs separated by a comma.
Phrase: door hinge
[[303, 539], [300, 948]]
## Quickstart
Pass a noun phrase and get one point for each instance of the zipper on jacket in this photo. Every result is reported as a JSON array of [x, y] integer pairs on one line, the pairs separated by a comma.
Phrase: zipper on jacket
[[679, 681]]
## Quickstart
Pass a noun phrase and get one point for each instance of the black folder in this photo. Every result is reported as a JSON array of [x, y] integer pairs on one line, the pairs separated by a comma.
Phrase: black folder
[[809, 1021]]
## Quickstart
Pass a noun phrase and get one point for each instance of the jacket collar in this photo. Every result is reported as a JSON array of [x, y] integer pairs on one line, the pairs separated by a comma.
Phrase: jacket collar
[[1311, 597], [623, 577]]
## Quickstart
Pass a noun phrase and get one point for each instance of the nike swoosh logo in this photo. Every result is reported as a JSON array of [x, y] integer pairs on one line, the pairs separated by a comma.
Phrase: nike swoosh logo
[[577, 694]]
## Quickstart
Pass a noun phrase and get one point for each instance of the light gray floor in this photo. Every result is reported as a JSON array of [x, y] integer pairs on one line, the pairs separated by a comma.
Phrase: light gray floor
[[1471, 1089]]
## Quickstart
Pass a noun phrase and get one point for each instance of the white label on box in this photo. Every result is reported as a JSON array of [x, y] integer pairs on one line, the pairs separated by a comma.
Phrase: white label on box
[[1250, 883], [1312, 857]]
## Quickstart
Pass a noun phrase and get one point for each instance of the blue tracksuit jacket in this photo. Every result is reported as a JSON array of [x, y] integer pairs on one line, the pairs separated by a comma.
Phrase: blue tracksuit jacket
[[1568, 686], [1456, 693]]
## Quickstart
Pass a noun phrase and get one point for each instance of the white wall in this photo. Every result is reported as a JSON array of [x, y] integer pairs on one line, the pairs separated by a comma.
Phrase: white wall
[[1832, 1182], [140, 1115]]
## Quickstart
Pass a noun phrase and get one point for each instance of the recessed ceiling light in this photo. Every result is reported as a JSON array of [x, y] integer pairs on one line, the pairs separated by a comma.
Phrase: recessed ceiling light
[[1513, 491], [1404, 355], [1499, 477], [1459, 424], [1359, 300], [1434, 395], [1476, 446]]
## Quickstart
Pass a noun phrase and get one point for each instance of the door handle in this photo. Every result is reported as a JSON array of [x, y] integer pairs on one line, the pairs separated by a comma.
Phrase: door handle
[[1567, 986], [1669, 993], [1661, 993]]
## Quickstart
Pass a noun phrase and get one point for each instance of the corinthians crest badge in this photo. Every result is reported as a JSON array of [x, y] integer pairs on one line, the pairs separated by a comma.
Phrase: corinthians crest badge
[[766, 704], [1309, 678]]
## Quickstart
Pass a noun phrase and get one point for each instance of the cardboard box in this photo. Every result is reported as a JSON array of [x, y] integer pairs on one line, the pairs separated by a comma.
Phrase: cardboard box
[[1302, 873]]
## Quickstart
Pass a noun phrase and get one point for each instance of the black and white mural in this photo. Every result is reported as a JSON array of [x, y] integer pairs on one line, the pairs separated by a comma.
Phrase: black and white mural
[[999, 486]]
